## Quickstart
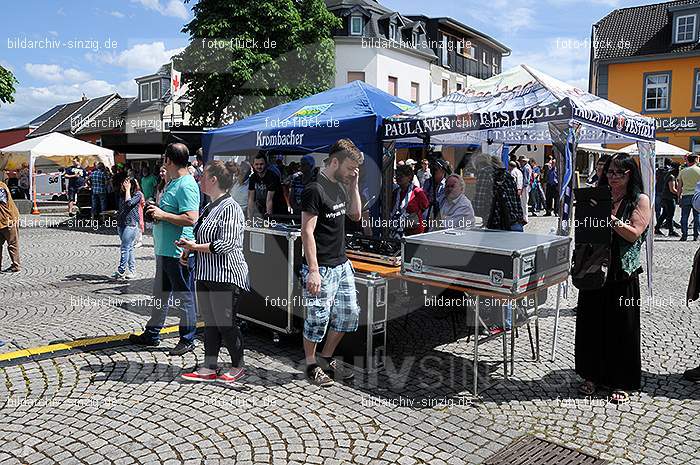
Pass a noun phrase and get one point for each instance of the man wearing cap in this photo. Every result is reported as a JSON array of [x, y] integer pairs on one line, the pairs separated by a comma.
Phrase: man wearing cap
[[527, 183], [9, 228], [412, 163], [298, 182]]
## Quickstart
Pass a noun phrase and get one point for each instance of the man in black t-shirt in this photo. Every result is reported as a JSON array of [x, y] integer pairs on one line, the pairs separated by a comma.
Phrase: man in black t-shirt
[[329, 281], [265, 194], [76, 181]]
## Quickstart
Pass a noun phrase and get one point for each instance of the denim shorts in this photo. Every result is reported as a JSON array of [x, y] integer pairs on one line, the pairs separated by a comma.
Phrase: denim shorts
[[334, 306]]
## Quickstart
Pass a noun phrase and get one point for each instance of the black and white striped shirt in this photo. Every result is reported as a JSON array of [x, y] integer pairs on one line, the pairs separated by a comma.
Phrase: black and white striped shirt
[[221, 225]]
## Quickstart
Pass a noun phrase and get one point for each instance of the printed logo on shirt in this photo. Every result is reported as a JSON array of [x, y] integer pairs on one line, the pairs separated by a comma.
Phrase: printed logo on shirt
[[338, 210]]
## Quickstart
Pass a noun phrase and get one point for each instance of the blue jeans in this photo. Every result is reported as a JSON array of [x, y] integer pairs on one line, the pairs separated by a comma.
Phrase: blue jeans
[[171, 288], [127, 260], [99, 204], [686, 207]]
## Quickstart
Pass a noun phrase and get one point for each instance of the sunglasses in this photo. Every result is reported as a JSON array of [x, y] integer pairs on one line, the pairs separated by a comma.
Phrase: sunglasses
[[617, 173]]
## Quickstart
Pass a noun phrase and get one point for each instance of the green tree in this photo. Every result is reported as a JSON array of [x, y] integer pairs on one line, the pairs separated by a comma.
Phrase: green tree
[[245, 56], [7, 85]]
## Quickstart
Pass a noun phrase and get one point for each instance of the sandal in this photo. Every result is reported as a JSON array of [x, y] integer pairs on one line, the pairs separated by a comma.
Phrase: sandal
[[619, 397], [587, 388]]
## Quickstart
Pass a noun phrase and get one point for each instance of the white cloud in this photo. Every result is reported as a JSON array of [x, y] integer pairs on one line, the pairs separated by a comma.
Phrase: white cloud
[[55, 73], [141, 57], [117, 14], [75, 75], [174, 8], [44, 72], [508, 15]]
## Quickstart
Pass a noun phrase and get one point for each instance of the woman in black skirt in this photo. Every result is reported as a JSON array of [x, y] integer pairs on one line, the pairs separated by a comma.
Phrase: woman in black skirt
[[608, 351], [221, 274]]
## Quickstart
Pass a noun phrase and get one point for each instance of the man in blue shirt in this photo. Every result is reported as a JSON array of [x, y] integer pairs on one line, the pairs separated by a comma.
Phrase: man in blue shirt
[[98, 181], [552, 190], [173, 220]]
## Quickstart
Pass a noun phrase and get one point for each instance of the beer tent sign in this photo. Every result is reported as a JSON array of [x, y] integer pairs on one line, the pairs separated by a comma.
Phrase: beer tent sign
[[516, 107]]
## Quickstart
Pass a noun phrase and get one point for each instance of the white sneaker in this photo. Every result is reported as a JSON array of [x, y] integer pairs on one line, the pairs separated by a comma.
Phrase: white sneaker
[[129, 275], [118, 275]]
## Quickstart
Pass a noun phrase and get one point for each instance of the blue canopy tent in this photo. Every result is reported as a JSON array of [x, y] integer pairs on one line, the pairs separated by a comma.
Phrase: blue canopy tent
[[313, 124]]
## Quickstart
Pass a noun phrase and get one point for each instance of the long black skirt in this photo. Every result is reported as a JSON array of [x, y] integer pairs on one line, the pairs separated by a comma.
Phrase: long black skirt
[[608, 350]]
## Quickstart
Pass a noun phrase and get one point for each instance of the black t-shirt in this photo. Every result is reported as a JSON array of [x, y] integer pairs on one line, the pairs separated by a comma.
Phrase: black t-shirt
[[77, 182], [269, 182], [328, 200]]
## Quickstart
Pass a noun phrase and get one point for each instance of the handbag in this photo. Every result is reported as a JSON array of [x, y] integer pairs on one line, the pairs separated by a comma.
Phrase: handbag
[[590, 265]]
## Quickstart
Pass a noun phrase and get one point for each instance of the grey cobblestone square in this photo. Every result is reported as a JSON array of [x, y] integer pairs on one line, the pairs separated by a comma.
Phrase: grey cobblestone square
[[151, 417]]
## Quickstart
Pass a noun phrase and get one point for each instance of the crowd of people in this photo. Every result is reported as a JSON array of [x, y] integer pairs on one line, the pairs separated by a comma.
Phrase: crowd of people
[[198, 214], [677, 185], [199, 251]]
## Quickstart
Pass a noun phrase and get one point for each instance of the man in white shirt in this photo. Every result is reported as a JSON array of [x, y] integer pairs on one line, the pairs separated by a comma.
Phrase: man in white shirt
[[527, 178], [517, 175], [423, 173], [456, 210]]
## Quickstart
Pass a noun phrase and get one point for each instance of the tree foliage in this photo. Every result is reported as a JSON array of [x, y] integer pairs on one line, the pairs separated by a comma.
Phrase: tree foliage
[[7, 86], [245, 56]]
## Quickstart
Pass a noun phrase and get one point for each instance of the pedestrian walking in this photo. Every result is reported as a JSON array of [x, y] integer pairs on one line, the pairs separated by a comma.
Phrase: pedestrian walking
[[9, 228], [687, 179], [98, 183], [127, 227], [552, 189], [668, 195]]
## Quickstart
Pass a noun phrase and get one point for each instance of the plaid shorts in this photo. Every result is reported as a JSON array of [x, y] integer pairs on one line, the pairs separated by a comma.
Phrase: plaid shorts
[[336, 303]]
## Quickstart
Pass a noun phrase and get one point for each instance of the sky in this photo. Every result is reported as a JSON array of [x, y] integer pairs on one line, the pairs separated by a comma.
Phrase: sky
[[95, 47]]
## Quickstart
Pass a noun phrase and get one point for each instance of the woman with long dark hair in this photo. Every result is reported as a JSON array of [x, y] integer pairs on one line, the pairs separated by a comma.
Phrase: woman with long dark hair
[[608, 351], [221, 273], [128, 226]]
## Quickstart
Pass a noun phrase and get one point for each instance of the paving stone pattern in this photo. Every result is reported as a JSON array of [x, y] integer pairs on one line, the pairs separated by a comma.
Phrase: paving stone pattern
[[123, 405]]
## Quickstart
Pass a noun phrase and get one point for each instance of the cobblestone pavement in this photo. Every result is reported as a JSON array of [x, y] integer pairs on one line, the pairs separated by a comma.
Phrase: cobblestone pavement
[[122, 405]]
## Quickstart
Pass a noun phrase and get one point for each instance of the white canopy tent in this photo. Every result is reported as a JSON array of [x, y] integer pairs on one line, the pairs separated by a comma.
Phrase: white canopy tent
[[525, 106], [56, 147], [661, 149]]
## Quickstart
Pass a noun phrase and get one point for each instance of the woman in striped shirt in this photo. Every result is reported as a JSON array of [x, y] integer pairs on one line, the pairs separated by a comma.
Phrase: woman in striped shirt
[[221, 273]]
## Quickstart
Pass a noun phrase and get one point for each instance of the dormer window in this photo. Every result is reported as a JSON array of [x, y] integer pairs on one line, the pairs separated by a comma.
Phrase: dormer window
[[145, 92], [155, 90], [356, 25], [415, 38], [392, 31], [685, 28], [149, 91]]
